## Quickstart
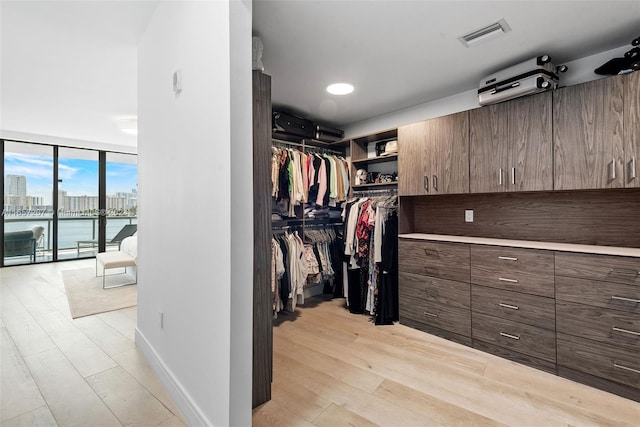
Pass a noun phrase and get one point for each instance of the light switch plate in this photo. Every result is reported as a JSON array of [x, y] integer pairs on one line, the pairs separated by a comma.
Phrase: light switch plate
[[468, 215]]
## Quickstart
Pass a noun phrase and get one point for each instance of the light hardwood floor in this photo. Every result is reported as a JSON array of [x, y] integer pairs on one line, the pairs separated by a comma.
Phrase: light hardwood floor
[[333, 368], [56, 371]]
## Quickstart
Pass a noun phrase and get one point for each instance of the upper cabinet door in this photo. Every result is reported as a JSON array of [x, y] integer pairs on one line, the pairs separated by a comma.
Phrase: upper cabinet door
[[449, 137], [631, 129], [588, 135], [413, 165], [488, 148], [529, 143]]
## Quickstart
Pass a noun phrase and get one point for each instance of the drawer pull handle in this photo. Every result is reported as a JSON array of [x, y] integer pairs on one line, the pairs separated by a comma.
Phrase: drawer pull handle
[[626, 331], [513, 337], [624, 271], [637, 301], [626, 368], [508, 258], [502, 279], [512, 307], [426, 313]]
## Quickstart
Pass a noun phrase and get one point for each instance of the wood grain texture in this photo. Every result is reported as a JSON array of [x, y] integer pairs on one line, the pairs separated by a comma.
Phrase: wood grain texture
[[599, 324], [449, 136], [512, 355], [262, 301], [599, 294], [488, 150], [600, 383], [631, 162], [431, 289], [529, 270], [588, 134], [518, 307], [531, 340], [606, 268], [604, 217], [413, 166], [411, 322], [530, 143], [599, 359], [441, 316], [436, 259]]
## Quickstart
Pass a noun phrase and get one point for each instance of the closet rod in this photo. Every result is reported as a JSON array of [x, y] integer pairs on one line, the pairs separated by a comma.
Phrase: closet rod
[[304, 147], [385, 191]]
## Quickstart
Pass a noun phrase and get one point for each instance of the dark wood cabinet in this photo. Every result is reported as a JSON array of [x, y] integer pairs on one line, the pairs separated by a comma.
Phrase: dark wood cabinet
[[631, 130], [433, 156], [588, 129], [511, 146]]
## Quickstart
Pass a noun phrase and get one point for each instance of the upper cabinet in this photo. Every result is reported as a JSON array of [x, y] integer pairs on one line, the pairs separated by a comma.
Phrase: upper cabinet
[[511, 145], [631, 129], [433, 156], [588, 134]]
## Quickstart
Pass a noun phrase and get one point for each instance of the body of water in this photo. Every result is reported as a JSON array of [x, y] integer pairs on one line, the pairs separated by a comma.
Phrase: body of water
[[69, 230]]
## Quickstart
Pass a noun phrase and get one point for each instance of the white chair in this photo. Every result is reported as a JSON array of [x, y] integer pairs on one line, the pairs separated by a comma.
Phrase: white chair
[[125, 257]]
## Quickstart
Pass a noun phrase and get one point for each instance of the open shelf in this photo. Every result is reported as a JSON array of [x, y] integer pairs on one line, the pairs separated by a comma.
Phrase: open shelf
[[374, 160]]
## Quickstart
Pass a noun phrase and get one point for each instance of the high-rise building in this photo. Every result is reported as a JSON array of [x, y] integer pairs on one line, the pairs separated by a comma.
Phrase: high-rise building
[[15, 185]]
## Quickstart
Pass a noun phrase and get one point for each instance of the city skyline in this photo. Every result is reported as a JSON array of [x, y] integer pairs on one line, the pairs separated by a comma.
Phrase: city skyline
[[79, 176]]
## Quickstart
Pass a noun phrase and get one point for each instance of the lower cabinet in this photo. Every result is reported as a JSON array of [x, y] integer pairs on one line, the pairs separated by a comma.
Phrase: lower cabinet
[[571, 314]]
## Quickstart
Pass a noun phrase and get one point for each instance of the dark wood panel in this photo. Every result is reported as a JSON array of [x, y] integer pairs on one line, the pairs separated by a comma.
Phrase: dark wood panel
[[588, 134], [599, 324], [600, 383], [530, 165], [405, 215], [488, 150], [516, 269], [631, 162], [441, 316], [450, 151], [410, 322], [624, 270], [443, 260], [599, 294], [526, 339], [605, 361], [518, 307], [413, 166], [431, 289], [524, 359], [604, 217], [262, 300]]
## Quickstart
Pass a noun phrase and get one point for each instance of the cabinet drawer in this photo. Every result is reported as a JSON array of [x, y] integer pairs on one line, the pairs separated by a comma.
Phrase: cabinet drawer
[[522, 270], [443, 260], [433, 314], [431, 289], [530, 309], [600, 294], [624, 270], [600, 324], [602, 360], [516, 336]]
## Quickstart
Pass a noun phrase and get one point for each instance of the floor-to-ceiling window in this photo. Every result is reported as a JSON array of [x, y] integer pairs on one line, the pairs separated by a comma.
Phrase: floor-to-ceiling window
[[62, 203]]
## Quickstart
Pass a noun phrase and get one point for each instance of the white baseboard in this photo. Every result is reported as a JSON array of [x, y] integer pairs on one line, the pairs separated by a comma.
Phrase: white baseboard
[[189, 410]]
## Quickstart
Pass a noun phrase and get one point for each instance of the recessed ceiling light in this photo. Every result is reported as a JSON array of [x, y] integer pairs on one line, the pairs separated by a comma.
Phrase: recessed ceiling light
[[340, 88], [128, 124], [490, 31]]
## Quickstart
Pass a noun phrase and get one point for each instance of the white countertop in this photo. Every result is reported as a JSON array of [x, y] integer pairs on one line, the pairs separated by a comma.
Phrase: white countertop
[[567, 247]]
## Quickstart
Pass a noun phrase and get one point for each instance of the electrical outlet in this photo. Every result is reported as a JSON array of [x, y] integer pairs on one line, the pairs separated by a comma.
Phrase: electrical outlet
[[468, 215]]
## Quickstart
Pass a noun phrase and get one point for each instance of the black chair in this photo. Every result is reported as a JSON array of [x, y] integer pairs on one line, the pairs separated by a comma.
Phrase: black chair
[[126, 231]]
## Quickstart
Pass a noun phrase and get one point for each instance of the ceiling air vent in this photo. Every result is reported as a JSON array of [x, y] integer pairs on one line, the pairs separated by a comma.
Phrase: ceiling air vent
[[485, 33]]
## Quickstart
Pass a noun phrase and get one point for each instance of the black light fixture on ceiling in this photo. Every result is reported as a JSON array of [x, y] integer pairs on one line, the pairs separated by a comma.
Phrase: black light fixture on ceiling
[[497, 28]]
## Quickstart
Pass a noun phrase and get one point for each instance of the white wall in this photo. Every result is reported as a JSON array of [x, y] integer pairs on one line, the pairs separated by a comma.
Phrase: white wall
[[580, 71], [188, 267]]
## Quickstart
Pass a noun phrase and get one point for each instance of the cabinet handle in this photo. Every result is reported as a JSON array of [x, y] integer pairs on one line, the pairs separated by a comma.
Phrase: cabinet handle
[[502, 279], [426, 183], [619, 366], [513, 176], [612, 170], [500, 176], [434, 182], [626, 331], [637, 301], [512, 307], [426, 313], [513, 337], [508, 258], [632, 169]]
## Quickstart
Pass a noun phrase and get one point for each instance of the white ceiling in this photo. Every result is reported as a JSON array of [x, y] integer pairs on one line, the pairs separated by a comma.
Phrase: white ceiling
[[399, 54], [68, 68]]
